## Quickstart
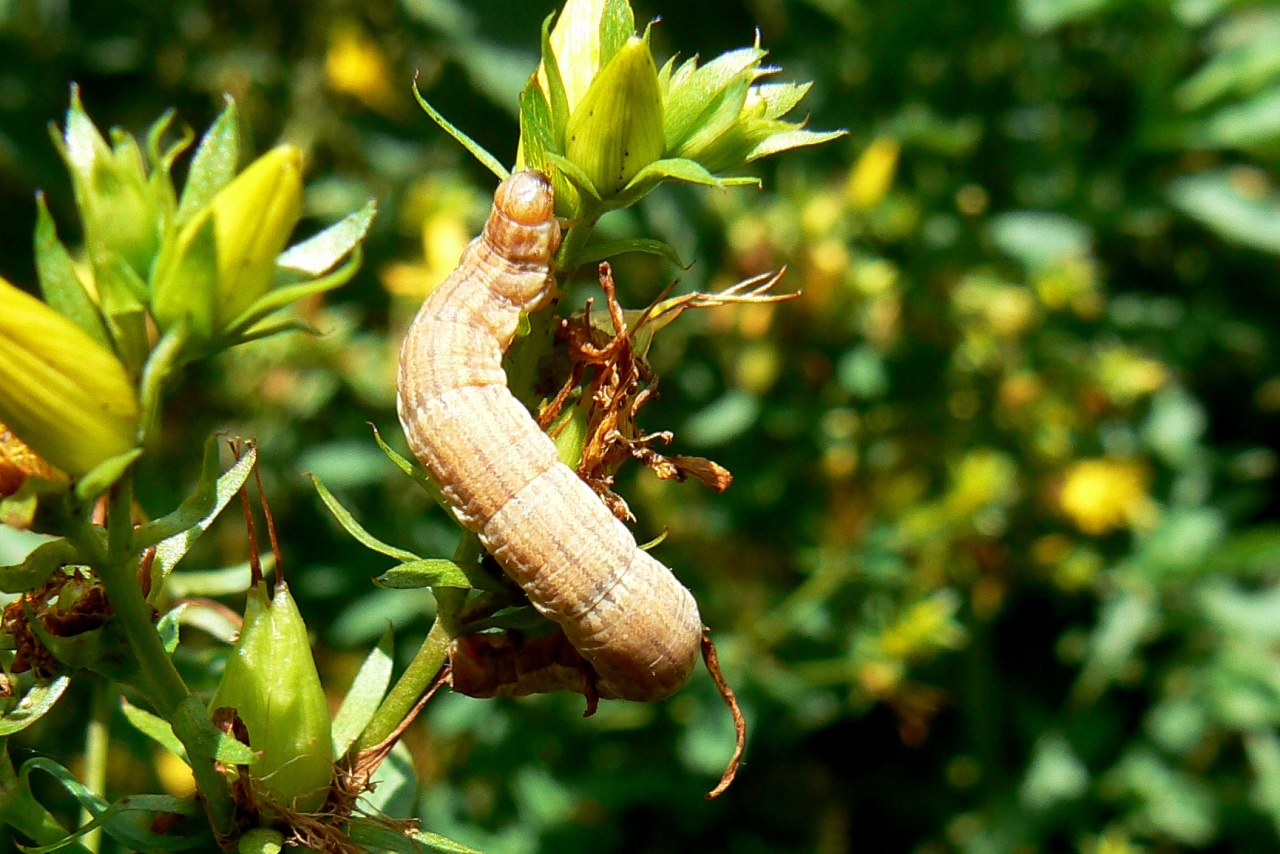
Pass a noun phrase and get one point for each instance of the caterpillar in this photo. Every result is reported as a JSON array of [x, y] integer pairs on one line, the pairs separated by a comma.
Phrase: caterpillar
[[622, 610]]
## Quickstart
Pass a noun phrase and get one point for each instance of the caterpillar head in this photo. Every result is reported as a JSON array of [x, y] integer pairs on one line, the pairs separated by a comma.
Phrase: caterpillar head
[[523, 229]]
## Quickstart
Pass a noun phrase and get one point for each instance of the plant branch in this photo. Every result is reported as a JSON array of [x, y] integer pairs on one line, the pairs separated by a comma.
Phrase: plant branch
[[157, 678]]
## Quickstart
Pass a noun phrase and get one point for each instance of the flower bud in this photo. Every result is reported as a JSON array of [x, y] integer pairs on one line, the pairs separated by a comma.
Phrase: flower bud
[[272, 683], [224, 258], [616, 129], [61, 392], [122, 210]]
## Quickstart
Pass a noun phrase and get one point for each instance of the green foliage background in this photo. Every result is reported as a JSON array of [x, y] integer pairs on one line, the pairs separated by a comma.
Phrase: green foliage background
[[999, 571]]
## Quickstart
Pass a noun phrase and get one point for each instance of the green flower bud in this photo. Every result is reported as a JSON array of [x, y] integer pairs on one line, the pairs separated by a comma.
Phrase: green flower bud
[[720, 117], [123, 211], [61, 392], [224, 259], [616, 129], [272, 683]]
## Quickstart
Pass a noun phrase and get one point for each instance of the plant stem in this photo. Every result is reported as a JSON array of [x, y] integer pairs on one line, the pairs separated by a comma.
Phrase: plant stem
[[426, 663], [97, 745], [158, 680]]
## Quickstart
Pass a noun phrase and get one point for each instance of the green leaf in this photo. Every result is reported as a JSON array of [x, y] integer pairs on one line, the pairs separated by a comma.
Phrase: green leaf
[[1251, 123], [1040, 239], [352, 527], [218, 621], [103, 475], [174, 534], [536, 135], [477, 150], [695, 95], [214, 164], [606, 249], [153, 727], [575, 176], [672, 169], [393, 785], [280, 297], [164, 361], [59, 283], [558, 99], [226, 581], [114, 819], [522, 619], [38, 566], [34, 705], [789, 140], [376, 836], [617, 24], [428, 572], [419, 476], [319, 254], [364, 696], [1223, 200]]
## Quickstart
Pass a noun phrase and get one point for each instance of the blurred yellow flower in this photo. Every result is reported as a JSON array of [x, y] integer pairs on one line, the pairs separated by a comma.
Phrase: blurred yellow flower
[[925, 628], [1104, 495], [1127, 375], [872, 174], [354, 66]]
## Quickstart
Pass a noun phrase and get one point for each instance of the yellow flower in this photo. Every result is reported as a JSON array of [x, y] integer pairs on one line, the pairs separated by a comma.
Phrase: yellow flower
[[64, 394], [224, 259], [1104, 495], [354, 66], [872, 175]]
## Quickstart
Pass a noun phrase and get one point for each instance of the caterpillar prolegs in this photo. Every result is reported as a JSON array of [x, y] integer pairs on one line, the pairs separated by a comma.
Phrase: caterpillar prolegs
[[621, 609]]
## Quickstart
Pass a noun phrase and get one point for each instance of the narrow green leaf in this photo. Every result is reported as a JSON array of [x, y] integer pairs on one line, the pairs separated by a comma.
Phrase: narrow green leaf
[[1217, 200], [59, 283], [617, 24], [696, 94], [476, 149], [320, 254], [155, 728], [352, 527], [792, 139], [113, 818], [522, 619], [33, 705], [214, 163], [377, 836], [536, 136], [174, 534], [38, 566], [604, 250], [214, 582], [394, 785], [364, 696], [419, 476], [107, 472], [558, 98], [280, 297], [575, 176], [428, 572], [164, 361]]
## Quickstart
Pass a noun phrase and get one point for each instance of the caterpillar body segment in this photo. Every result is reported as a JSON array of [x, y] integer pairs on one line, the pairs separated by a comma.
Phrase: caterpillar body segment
[[627, 615]]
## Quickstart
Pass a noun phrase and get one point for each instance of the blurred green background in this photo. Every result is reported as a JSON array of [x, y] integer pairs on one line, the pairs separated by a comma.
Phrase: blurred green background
[[999, 572]]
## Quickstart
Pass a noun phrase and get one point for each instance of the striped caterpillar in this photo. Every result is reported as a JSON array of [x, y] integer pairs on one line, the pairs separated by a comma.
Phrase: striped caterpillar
[[623, 611]]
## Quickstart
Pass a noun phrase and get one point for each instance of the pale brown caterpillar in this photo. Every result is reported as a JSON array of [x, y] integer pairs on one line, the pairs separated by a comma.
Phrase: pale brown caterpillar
[[628, 616]]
